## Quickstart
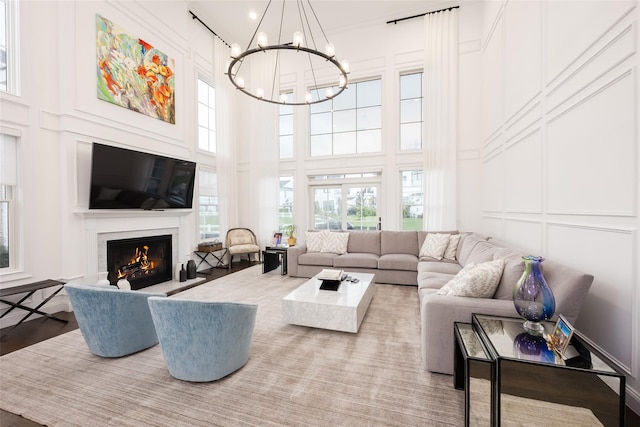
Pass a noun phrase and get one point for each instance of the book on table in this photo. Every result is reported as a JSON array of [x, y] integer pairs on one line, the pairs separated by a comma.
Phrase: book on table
[[331, 279]]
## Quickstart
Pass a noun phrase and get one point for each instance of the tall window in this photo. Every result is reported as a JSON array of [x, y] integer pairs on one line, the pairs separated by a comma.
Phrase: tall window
[[208, 205], [350, 123], [286, 128], [411, 116], [206, 116], [285, 206], [412, 200], [8, 210], [9, 47]]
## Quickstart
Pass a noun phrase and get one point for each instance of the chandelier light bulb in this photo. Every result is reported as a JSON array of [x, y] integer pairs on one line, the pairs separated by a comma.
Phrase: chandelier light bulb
[[236, 50], [262, 40], [298, 38], [329, 92], [307, 97], [330, 50], [260, 93], [345, 66], [240, 82], [343, 81], [283, 98]]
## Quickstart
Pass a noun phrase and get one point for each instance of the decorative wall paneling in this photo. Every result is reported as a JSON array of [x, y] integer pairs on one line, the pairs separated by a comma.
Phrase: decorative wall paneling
[[560, 165]]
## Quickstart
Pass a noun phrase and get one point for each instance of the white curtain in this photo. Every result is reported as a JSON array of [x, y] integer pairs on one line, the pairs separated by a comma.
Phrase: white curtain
[[440, 123], [225, 158], [263, 119]]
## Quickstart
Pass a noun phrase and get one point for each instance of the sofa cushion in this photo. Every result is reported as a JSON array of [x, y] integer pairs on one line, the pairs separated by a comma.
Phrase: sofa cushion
[[439, 267], [356, 260], [398, 262], [432, 280], [475, 280], [364, 242], [335, 243], [435, 245], [423, 235], [317, 258], [452, 247], [314, 241], [513, 269], [399, 242], [483, 252], [468, 242]]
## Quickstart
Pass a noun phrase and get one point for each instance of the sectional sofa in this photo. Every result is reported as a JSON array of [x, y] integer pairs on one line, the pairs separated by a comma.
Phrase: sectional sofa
[[402, 258]]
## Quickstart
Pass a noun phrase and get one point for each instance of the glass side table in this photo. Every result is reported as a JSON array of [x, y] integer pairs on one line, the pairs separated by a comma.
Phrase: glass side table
[[473, 371], [274, 256], [531, 382]]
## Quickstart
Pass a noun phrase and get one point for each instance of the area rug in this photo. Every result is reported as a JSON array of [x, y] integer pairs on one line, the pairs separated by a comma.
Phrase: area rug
[[296, 376]]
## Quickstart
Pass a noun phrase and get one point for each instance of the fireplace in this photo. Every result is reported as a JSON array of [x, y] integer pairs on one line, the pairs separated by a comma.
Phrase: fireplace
[[143, 261]]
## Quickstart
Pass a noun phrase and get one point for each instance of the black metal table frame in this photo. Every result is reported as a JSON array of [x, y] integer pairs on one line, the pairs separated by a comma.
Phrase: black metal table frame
[[219, 259], [30, 289]]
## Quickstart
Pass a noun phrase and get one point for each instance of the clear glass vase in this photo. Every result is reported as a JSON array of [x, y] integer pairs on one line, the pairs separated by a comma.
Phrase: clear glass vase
[[532, 295]]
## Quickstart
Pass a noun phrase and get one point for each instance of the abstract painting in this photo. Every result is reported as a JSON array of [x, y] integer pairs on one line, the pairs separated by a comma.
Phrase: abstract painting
[[134, 74]]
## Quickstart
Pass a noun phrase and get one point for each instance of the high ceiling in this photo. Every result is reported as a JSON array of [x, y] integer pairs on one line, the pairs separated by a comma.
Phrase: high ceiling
[[230, 18]]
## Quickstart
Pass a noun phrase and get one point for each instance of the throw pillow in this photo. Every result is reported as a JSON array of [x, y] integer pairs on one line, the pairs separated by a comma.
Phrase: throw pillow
[[314, 240], [452, 247], [336, 243], [477, 281], [434, 245]]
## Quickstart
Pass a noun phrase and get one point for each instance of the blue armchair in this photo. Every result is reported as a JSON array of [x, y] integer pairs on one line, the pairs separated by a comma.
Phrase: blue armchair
[[203, 340], [113, 322]]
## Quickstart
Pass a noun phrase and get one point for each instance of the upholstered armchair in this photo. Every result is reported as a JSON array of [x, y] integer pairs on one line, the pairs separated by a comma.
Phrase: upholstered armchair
[[113, 322], [203, 340], [242, 241]]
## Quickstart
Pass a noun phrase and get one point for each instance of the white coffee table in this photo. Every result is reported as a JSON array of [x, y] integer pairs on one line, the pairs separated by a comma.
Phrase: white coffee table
[[341, 310]]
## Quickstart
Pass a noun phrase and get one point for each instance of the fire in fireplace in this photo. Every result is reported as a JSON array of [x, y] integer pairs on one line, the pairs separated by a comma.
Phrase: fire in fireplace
[[143, 261]]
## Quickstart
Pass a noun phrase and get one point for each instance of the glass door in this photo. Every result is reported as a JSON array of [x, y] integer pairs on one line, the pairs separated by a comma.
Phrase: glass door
[[345, 207]]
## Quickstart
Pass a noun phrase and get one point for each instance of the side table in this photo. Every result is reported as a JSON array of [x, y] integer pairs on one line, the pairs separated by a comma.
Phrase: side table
[[531, 383], [274, 256], [218, 260]]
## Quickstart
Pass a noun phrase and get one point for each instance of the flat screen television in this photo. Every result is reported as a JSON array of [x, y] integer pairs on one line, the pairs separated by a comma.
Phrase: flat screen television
[[128, 179]]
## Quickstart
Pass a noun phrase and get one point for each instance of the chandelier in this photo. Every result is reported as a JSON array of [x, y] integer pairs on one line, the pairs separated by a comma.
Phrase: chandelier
[[264, 85]]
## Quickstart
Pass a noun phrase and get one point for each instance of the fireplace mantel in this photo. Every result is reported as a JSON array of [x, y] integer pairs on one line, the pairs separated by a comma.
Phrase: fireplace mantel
[[133, 213]]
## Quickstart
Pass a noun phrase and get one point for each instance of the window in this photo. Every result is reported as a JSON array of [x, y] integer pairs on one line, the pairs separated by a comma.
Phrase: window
[[208, 205], [8, 47], [206, 116], [286, 128], [285, 205], [411, 117], [350, 123], [9, 219], [412, 200]]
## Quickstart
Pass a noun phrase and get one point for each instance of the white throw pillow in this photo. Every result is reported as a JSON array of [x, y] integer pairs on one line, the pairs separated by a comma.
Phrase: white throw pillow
[[314, 240], [434, 245], [475, 280], [452, 247], [336, 243]]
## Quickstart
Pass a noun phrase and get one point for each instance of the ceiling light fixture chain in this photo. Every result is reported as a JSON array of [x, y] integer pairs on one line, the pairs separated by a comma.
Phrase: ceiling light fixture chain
[[303, 42]]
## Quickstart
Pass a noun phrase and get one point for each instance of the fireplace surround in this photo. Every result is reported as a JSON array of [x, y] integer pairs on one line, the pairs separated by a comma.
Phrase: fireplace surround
[[143, 261]]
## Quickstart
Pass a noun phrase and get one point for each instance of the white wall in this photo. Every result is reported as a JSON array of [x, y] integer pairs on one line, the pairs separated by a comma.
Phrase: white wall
[[58, 116], [560, 154]]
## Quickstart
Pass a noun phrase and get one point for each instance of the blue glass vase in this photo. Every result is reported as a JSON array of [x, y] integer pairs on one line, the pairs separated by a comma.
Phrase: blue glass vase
[[532, 295]]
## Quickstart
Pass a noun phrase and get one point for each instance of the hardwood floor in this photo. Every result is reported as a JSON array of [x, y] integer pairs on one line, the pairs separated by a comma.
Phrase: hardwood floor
[[41, 329]]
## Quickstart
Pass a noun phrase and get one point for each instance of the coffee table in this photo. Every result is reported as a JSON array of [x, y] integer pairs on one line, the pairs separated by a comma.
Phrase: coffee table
[[341, 310]]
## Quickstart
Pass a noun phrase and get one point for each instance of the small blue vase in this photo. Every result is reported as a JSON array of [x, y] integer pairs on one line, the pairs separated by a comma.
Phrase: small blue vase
[[532, 295]]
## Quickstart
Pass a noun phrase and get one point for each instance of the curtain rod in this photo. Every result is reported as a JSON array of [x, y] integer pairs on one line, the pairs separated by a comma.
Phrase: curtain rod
[[395, 21], [193, 16]]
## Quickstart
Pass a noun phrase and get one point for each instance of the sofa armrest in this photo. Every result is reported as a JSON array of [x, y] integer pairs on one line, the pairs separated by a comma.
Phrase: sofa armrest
[[438, 312], [293, 252]]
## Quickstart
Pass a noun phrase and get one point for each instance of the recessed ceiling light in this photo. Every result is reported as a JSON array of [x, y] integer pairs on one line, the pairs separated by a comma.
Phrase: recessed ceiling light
[[253, 15]]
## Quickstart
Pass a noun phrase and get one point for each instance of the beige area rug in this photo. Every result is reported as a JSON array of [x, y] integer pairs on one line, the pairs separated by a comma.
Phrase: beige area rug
[[296, 376]]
